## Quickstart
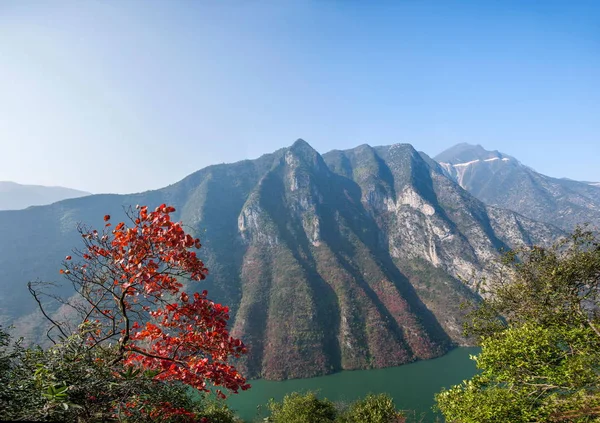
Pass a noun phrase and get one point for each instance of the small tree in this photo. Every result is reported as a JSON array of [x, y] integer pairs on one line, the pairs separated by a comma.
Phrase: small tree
[[130, 305], [379, 408], [308, 408], [540, 340], [302, 408]]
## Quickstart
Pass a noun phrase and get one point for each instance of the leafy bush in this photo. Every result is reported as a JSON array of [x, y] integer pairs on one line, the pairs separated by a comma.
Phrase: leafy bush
[[539, 331], [378, 408], [308, 408], [69, 382], [301, 408], [217, 412], [17, 393]]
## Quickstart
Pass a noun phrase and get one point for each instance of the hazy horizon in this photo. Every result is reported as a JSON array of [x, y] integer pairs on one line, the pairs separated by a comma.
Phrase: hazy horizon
[[110, 96]]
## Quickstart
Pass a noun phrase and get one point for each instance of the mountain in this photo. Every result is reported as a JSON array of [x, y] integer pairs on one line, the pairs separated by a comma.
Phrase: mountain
[[343, 261], [15, 196], [501, 180]]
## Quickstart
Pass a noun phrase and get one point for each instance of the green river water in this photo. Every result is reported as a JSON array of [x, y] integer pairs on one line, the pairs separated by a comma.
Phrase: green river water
[[412, 385]]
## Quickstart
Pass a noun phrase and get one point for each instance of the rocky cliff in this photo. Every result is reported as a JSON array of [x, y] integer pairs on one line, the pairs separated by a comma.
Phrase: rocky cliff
[[501, 180]]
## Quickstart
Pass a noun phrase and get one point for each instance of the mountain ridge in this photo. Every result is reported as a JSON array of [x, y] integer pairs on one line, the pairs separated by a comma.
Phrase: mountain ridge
[[15, 196], [352, 259], [502, 181]]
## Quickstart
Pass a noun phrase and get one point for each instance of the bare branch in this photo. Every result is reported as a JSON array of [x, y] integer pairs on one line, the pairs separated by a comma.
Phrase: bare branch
[[34, 293]]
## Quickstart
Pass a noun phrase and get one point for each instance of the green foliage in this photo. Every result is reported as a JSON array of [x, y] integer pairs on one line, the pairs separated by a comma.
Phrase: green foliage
[[216, 411], [529, 373], [540, 344], [69, 382], [557, 285], [308, 408], [18, 391], [475, 402], [372, 409], [299, 408]]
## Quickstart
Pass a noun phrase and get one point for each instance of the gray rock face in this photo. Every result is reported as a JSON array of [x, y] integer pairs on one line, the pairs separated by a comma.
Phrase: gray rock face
[[502, 181], [424, 215]]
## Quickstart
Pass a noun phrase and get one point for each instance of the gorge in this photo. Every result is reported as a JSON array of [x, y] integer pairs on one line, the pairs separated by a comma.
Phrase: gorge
[[354, 259]]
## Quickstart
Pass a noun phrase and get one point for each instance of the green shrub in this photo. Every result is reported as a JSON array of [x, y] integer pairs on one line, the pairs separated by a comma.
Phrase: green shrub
[[18, 392], [68, 382], [301, 408], [378, 408], [308, 408], [539, 332], [217, 412]]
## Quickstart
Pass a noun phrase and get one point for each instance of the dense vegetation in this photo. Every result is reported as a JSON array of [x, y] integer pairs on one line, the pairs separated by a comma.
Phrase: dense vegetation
[[539, 330], [130, 344], [70, 382]]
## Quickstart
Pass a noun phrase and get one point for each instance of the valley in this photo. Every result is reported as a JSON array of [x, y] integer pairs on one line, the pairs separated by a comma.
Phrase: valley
[[299, 211], [321, 258]]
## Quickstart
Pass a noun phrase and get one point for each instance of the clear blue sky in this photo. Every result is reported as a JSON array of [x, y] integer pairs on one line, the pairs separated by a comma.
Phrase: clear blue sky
[[125, 95]]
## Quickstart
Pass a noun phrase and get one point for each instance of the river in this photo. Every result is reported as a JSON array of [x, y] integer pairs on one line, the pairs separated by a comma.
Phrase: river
[[412, 385]]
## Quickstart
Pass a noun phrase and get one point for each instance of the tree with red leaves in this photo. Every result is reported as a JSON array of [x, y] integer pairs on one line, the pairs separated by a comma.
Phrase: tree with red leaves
[[129, 293]]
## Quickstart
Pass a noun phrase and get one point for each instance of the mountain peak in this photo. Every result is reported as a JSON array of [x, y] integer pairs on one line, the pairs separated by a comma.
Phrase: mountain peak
[[300, 143], [466, 153], [501, 180], [305, 153]]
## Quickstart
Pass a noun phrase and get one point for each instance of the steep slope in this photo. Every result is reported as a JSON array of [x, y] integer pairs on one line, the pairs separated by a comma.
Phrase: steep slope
[[343, 261], [501, 180], [15, 196]]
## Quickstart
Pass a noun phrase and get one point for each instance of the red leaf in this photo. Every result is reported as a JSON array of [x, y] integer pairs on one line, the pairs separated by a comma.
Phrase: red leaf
[[186, 340]]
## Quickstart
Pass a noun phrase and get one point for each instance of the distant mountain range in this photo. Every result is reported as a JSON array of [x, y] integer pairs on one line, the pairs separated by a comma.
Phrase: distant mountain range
[[351, 259], [501, 180], [15, 196]]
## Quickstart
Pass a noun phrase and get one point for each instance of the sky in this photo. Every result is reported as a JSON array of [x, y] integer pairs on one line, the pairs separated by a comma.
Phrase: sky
[[124, 96]]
